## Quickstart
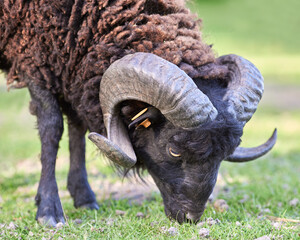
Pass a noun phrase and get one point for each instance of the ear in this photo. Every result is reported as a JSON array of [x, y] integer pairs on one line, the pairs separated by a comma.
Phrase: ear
[[137, 114]]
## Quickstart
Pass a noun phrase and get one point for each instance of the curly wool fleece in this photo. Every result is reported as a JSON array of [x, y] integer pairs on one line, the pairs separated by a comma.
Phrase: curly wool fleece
[[67, 46]]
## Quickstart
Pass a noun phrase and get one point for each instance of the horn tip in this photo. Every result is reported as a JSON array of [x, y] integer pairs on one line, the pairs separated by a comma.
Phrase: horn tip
[[242, 154], [93, 136], [275, 132], [273, 138], [111, 151]]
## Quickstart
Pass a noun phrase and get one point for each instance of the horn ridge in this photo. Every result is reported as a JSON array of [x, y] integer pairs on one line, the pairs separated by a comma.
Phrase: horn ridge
[[245, 87], [148, 78], [151, 79]]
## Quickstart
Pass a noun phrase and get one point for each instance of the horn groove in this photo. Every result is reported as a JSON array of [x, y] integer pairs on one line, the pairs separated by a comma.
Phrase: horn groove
[[245, 87]]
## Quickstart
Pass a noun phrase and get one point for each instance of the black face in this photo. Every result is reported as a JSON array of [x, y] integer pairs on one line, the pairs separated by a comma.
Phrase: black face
[[183, 163], [183, 177]]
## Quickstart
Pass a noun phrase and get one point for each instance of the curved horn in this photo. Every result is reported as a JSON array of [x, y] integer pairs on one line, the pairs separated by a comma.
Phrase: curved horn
[[248, 154], [151, 79], [112, 151], [245, 87]]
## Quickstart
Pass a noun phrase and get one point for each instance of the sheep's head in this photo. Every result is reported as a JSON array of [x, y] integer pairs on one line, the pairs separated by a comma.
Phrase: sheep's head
[[156, 117]]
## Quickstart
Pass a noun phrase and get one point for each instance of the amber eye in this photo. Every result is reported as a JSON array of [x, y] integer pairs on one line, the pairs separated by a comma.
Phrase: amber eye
[[173, 153]]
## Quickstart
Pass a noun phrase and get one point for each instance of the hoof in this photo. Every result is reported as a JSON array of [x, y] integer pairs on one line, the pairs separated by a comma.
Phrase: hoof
[[50, 221], [90, 206]]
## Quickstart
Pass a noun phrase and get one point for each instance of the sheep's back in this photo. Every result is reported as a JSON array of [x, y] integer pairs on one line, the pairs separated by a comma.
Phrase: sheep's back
[[67, 47]]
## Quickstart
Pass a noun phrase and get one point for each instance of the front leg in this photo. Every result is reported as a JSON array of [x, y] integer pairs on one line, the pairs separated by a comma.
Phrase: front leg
[[50, 125], [78, 185]]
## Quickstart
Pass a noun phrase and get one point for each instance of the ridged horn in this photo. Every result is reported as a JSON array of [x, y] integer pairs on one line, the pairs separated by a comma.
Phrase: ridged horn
[[148, 78], [242, 154], [245, 87]]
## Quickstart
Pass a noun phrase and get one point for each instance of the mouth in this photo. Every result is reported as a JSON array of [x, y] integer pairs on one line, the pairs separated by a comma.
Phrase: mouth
[[194, 217], [184, 217]]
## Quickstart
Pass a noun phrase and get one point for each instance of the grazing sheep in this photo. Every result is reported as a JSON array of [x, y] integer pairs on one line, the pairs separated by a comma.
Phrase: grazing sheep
[[165, 104]]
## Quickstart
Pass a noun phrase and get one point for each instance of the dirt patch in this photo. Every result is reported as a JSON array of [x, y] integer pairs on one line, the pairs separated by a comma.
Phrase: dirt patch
[[132, 189]]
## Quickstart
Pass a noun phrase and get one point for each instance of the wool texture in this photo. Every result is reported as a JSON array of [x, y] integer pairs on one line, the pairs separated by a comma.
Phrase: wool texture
[[66, 46]]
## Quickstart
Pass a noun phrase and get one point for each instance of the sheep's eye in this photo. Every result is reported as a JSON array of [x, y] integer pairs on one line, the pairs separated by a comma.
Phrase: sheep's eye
[[173, 153]]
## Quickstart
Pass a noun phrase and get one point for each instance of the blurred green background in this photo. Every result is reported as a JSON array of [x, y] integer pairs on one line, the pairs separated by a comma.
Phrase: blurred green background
[[265, 32]]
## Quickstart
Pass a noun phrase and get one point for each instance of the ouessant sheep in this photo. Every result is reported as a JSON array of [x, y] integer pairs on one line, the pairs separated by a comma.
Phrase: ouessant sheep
[[138, 76]]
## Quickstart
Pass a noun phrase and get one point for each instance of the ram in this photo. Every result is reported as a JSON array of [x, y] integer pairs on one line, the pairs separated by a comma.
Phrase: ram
[[137, 75]]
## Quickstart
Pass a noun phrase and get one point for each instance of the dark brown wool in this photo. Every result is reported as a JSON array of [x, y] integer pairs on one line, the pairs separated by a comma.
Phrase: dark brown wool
[[67, 46]]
